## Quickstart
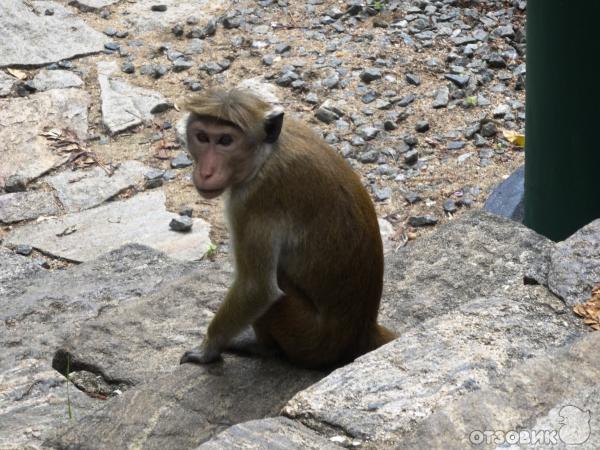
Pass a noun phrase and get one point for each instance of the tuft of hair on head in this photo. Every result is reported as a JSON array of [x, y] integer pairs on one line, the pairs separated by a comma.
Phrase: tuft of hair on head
[[239, 107]]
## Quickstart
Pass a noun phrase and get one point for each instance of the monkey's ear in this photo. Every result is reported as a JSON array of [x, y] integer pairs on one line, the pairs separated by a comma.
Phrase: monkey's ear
[[273, 124]]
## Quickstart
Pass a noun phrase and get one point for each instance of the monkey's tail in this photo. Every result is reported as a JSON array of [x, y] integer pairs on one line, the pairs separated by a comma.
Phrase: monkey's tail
[[380, 335]]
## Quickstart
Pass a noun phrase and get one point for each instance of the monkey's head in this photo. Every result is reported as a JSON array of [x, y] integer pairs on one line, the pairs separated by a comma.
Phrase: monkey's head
[[229, 136]]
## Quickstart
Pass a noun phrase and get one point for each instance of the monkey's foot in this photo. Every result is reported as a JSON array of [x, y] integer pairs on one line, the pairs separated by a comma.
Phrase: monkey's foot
[[199, 357], [249, 346]]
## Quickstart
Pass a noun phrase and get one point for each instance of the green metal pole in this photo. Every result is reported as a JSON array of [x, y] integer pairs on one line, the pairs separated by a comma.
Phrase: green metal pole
[[562, 154]]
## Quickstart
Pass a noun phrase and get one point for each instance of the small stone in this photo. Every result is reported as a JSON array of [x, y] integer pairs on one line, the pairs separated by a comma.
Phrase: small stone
[[186, 211], [461, 81], [368, 133], [369, 97], [127, 67], [268, 60], [370, 74], [411, 197], [177, 30], [112, 46], [231, 22], [383, 194], [390, 125], [500, 111], [24, 249], [159, 8], [282, 48], [442, 97], [450, 206], [486, 153], [455, 145], [182, 64], [153, 178], [15, 183], [411, 157], [410, 140], [110, 32], [407, 100], [180, 161], [331, 81], [181, 223], [368, 157], [326, 115], [422, 221], [422, 126], [413, 79], [489, 129]]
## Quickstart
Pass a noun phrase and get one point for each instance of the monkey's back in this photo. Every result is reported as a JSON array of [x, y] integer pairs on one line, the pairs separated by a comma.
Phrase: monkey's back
[[331, 250]]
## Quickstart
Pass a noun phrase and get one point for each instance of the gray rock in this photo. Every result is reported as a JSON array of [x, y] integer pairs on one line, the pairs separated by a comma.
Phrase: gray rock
[[507, 198], [125, 106], [370, 74], [45, 307], [277, 432], [442, 97], [326, 115], [370, 156], [15, 183], [460, 81], [368, 133], [413, 79], [24, 119], [127, 67], [560, 384], [488, 323], [455, 145], [55, 79], [24, 249], [331, 81], [181, 223], [407, 100], [19, 206], [153, 178], [422, 221], [181, 161], [411, 157], [422, 126], [6, 84], [383, 194], [489, 129], [574, 265], [141, 219], [450, 206], [84, 189], [30, 38], [210, 397]]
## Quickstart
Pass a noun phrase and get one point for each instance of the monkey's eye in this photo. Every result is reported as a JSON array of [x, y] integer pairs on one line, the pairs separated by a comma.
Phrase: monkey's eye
[[201, 137], [225, 140]]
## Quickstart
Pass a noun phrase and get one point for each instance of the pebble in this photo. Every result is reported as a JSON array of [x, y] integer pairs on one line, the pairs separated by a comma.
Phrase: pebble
[[382, 194], [186, 211], [180, 161], [368, 157], [489, 129], [413, 79], [159, 8], [23, 249], [411, 197], [422, 126], [422, 221], [181, 223], [370, 75], [127, 67], [15, 183], [153, 178], [450, 206], [455, 145], [461, 81], [411, 157]]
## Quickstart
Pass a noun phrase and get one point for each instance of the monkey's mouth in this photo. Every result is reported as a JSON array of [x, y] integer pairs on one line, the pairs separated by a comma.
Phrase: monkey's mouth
[[210, 193]]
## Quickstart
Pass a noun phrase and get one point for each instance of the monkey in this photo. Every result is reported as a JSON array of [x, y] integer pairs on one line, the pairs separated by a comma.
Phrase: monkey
[[307, 250]]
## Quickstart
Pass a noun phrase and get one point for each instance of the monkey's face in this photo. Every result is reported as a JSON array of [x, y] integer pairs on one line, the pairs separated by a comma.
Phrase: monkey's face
[[223, 155]]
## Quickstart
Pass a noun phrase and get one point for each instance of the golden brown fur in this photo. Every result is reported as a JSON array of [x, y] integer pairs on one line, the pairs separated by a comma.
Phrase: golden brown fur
[[308, 253]]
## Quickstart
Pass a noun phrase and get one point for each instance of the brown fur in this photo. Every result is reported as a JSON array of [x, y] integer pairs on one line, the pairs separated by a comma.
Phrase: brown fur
[[306, 223]]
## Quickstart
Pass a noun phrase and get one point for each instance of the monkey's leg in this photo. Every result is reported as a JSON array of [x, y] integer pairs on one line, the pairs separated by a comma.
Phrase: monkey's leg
[[253, 344], [300, 331]]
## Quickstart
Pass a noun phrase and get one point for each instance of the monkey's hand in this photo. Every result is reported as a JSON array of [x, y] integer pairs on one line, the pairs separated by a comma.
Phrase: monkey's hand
[[202, 356]]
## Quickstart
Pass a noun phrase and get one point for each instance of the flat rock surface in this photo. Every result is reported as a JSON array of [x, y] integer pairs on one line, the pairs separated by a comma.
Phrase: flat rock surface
[[18, 206], [141, 17], [141, 219], [23, 119], [553, 396], [383, 395], [44, 307], [278, 432], [84, 189], [32, 38], [125, 106], [574, 267], [473, 256], [184, 405], [55, 79]]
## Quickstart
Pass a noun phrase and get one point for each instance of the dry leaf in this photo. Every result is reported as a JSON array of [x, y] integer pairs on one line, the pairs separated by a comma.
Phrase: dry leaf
[[590, 310], [514, 138]]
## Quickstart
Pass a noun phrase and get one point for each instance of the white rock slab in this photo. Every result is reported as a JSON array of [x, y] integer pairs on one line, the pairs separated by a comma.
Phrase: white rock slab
[[55, 79], [30, 38], [22, 150], [6, 83], [18, 206], [92, 5], [142, 219], [84, 189], [125, 106], [143, 19]]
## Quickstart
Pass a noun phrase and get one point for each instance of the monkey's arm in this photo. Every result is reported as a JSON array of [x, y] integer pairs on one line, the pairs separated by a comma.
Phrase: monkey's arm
[[254, 290]]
